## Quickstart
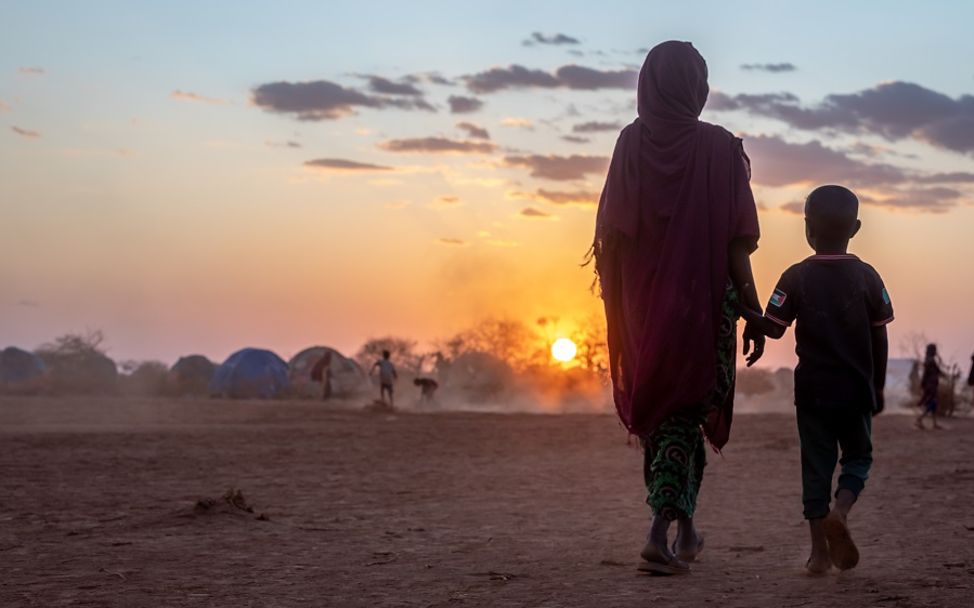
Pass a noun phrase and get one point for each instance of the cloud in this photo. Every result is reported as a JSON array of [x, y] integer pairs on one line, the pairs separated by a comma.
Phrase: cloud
[[31, 70], [437, 145], [464, 105], [796, 207], [28, 304], [282, 144], [575, 139], [25, 132], [378, 84], [556, 167], [517, 122], [595, 126], [769, 67], [567, 76], [554, 39], [894, 110], [535, 214], [452, 241], [776, 162], [4, 107], [325, 100], [953, 177], [190, 96], [931, 200], [580, 198], [473, 131], [344, 165], [445, 202]]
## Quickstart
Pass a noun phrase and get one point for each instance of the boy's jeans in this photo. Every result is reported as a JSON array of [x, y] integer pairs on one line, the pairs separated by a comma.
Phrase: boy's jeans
[[822, 432]]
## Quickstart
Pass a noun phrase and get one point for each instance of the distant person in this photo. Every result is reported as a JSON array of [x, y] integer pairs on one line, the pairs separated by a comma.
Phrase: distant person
[[321, 372], [427, 390], [842, 309], [970, 376], [929, 387], [387, 377], [675, 228]]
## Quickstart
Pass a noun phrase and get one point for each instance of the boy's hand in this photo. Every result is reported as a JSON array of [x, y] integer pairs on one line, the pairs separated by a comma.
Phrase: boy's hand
[[753, 334]]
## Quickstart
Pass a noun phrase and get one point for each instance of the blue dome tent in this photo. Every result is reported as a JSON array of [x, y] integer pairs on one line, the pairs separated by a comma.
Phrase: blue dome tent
[[249, 373], [20, 369]]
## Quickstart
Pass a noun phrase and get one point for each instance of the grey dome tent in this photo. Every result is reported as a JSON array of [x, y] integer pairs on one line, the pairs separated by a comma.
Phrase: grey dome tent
[[190, 375], [347, 376]]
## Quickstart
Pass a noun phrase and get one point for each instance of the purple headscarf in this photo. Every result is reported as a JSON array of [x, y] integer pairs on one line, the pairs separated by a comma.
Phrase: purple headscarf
[[676, 195]]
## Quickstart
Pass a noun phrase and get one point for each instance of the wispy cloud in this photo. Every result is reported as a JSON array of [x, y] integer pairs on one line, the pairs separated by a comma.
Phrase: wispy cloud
[[567, 76], [324, 100], [893, 110], [191, 96], [535, 214], [554, 167], [437, 145], [344, 165], [769, 67], [473, 131], [445, 202], [595, 126], [31, 70], [4, 107], [453, 242], [464, 105], [28, 133], [552, 39], [517, 122], [282, 144], [580, 198]]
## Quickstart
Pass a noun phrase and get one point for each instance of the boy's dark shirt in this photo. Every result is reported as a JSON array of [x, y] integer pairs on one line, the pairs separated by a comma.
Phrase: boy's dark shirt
[[931, 375], [836, 299]]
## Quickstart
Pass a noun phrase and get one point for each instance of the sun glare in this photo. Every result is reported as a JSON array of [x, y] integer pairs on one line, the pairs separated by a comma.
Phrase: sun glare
[[563, 350]]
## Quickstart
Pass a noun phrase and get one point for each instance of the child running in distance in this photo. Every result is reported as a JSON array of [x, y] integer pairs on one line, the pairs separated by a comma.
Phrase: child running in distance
[[841, 308], [930, 386]]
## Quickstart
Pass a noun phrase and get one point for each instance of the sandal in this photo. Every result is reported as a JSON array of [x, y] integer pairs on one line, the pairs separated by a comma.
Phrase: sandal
[[655, 562]]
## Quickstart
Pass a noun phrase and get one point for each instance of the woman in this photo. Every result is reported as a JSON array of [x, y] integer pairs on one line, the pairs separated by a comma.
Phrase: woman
[[675, 228]]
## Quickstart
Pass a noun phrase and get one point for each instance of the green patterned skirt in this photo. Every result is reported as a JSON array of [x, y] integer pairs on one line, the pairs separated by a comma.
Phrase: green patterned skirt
[[675, 453]]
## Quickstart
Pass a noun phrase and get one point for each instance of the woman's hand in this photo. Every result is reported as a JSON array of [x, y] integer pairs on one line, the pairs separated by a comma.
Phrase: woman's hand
[[753, 334]]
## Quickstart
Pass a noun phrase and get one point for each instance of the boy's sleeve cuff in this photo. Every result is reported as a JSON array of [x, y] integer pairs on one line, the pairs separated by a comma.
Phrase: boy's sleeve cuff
[[883, 322], [777, 320]]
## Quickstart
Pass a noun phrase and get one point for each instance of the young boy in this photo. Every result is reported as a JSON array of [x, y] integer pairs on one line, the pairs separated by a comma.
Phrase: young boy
[[387, 376], [841, 309]]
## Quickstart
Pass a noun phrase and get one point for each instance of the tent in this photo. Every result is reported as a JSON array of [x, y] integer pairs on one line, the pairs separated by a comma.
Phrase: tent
[[86, 373], [190, 375], [248, 373], [20, 370], [347, 377]]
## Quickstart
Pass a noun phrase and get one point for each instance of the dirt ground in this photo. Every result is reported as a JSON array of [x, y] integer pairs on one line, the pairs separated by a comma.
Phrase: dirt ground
[[97, 508]]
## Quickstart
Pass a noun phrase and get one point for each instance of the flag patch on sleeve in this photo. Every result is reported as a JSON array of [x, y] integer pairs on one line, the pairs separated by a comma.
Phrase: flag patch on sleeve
[[778, 298], [885, 296]]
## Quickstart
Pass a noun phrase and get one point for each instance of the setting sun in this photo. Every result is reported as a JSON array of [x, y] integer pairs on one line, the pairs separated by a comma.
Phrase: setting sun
[[563, 350]]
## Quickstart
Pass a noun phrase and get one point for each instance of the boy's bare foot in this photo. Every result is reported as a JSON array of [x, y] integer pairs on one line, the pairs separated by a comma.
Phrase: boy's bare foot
[[658, 560], [842, 550], [818, 563], [919, 424]]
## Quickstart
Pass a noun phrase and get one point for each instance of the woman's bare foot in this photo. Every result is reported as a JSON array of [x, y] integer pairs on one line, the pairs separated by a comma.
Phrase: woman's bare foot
[[688, 543], [657, 559]]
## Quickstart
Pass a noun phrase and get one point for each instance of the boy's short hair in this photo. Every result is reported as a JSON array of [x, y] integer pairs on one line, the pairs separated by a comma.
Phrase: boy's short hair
[[386, 354], [832, 211]]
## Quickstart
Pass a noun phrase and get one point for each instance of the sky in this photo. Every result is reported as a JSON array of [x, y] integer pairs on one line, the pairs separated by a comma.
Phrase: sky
[[198, 177]]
